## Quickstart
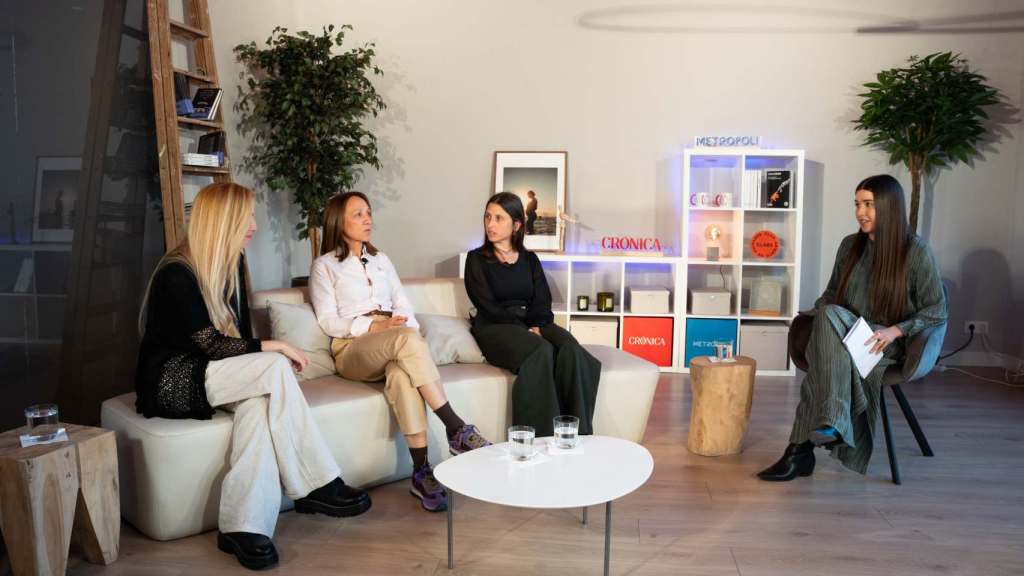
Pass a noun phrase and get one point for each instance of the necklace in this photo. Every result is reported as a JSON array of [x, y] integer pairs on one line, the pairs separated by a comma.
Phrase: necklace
[[506, 255]]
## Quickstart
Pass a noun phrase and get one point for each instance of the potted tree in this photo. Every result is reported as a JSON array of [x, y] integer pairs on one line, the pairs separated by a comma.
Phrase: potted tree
[[928, 116], [303, 106]]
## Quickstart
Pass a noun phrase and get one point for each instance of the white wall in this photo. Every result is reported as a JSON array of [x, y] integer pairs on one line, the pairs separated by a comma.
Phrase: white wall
[[464, 79]]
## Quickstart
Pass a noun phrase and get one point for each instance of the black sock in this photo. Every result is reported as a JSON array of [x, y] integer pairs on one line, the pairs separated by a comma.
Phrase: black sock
[[419, 457], [451, 420]]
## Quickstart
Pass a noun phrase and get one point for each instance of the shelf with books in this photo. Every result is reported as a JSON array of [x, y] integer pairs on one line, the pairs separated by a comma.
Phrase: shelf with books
[[762, 283], [191, 169], [207, 124], [195, 76]]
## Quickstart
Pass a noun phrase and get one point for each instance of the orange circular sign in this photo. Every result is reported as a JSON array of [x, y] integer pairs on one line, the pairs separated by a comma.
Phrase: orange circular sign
[[764, 244]]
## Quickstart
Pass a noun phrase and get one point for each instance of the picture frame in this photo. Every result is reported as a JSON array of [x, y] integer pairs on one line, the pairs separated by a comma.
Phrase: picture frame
[[56, 196], [539, 179]]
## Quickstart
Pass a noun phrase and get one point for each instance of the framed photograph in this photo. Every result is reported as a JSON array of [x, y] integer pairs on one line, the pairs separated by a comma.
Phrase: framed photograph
[[538, 178], [56, 195]]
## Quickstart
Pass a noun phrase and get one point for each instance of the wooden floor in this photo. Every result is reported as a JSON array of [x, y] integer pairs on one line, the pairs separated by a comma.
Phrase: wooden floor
[[961, 512]]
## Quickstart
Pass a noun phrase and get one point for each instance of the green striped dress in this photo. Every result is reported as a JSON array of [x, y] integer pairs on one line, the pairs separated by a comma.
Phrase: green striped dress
[[833, 392]]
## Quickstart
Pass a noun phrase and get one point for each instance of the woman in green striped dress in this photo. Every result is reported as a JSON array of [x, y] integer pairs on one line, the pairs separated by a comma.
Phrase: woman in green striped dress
[[888, 275]]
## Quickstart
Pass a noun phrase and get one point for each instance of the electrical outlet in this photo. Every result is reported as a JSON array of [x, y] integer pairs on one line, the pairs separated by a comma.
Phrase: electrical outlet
[[980, 327]]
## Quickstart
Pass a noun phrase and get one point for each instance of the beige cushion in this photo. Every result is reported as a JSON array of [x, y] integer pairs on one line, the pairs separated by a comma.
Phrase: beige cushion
[[296, 324], [449, 339]]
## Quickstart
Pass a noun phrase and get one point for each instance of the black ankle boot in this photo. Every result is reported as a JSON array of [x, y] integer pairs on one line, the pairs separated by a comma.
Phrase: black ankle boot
[[797, 460], [334, 499], [254, 551]]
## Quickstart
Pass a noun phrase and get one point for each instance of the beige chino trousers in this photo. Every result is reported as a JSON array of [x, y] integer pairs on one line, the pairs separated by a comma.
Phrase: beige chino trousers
[[401, 358], [274, 440]]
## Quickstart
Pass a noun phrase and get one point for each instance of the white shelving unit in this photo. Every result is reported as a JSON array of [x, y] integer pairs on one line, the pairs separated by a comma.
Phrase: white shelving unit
[[719, 171], [571, 275], [713, 171]]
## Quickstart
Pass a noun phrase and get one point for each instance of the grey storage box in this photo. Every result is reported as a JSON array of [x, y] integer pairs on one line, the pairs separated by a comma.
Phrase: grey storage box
[[710, 302], [595, 330], [767, 343], [649, 300]]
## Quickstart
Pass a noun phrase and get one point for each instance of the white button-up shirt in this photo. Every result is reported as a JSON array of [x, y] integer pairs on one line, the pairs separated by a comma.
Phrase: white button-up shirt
[[343, 292]]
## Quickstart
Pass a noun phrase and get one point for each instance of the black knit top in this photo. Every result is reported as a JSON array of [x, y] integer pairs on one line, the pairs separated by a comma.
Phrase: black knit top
[[508, 293], [179, 342]]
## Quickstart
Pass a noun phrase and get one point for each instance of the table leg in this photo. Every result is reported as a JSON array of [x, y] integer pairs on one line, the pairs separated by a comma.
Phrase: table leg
[[451, 512], [584, 521], [607, 536]]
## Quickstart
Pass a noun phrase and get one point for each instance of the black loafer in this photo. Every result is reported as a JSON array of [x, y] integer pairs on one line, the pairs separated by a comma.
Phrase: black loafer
[[797, 460], [254, 551], [334, 499]]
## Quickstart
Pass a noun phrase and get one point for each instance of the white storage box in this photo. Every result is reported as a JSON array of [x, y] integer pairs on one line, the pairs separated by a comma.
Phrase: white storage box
[[595, 330], [649, 300], [710, 302], [767, 343]]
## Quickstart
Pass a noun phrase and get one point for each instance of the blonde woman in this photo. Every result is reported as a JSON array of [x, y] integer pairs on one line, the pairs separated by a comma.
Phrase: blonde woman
[[360, 303], [198, 353]]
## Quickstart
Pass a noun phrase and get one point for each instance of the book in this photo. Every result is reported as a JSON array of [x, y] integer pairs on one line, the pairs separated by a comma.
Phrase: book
[[860, 352], [778, 188], [193, 159], [213, 143], [205, 103], [182, 102]]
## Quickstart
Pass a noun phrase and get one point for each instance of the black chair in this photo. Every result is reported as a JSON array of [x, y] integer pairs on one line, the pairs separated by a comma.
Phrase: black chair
[[922, 353]]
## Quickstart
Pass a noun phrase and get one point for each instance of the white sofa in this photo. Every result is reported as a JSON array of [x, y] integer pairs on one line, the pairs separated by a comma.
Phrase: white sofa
[[171, 470]]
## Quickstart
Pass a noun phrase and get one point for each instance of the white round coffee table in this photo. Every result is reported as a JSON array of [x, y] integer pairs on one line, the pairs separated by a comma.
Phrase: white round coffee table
[[600, 470]]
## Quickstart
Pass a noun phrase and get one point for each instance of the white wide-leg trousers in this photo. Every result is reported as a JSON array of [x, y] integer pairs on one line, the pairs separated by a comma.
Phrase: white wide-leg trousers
[[274, 443]]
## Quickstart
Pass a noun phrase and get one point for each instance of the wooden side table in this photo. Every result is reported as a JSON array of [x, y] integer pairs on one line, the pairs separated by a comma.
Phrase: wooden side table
[[722, 396], [53, 492]]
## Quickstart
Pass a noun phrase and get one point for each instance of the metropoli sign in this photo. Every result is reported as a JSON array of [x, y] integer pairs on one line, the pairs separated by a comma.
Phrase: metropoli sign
[[729, 141]]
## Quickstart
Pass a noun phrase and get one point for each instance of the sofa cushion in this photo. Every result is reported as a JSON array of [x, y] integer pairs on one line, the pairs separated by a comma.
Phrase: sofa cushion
[[296, 324], [449, 339]]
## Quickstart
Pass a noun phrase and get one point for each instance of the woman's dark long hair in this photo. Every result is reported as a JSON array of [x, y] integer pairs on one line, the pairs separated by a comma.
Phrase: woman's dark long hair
[[892, 239], [334, 226], [511, 204]]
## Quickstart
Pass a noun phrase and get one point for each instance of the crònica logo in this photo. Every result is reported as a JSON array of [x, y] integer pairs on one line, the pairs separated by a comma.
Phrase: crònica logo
[[646, 341]]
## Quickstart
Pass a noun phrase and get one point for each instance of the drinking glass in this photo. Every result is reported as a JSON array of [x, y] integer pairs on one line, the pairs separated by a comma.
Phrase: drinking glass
[[42, 420], [520, 442], [566, 431]]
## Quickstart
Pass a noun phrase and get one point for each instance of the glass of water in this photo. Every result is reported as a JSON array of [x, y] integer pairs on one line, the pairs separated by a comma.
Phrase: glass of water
[[520, 442], [42, 420], [567, 430]]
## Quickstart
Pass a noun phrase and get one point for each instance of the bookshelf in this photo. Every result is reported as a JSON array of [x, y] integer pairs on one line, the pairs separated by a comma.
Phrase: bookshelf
[[720, 179], [181, 44]]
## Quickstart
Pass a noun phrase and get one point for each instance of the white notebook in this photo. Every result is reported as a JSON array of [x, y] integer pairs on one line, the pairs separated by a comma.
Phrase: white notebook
[[860, 352]]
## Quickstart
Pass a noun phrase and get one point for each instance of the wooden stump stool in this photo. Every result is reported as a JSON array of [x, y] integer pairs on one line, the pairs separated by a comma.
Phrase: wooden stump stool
[[722, 395], [52, 493]]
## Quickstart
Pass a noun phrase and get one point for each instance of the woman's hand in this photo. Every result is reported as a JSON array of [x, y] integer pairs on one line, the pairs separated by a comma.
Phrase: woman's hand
[[882, 338], [294, 355], [384, 322], [535, 330]]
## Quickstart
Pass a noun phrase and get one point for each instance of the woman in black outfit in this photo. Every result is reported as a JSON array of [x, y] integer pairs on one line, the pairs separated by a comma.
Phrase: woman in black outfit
[[198, 352], [515, 330]]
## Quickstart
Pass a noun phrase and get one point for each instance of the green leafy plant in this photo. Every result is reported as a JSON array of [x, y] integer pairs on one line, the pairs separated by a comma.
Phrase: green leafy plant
[[304, 106], [928, 116]]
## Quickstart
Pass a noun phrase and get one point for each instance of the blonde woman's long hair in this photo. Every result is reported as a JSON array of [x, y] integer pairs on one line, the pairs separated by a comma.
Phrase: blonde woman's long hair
[[216, 233]]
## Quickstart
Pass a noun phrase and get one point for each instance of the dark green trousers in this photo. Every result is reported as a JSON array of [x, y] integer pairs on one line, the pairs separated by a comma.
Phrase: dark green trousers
[[554, 374]]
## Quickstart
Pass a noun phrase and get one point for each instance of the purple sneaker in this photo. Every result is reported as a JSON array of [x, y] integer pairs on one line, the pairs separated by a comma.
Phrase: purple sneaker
[[466, 439], [432, 495]]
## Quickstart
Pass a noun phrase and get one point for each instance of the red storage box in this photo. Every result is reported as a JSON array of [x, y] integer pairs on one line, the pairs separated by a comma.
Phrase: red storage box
[[648, 338]]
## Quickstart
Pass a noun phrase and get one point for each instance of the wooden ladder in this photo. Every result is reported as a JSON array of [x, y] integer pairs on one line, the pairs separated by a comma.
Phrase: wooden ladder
[[194, 32]]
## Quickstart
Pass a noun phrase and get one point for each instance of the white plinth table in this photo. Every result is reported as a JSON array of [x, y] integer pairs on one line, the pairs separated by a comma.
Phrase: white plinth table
[[598, 471]]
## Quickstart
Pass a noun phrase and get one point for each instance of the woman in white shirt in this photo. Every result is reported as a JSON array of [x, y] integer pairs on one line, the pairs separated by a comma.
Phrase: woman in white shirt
[[360, 304]]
